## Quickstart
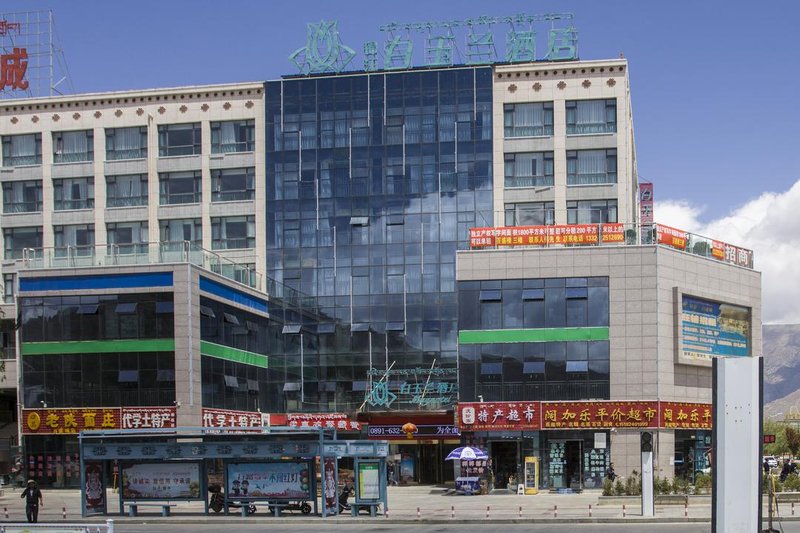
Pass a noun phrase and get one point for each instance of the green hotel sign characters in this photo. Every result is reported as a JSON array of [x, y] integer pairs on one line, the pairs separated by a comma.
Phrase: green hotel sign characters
[[324, 51], [490, 336]]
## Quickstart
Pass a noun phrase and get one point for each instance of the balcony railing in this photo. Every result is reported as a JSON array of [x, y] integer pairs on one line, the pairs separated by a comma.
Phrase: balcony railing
[[22, 160], [140, 254], [78, 203], [22, 207], [232, 196], [229, 148], [133, 153], [126, 201], [528, 181], [73, 157]]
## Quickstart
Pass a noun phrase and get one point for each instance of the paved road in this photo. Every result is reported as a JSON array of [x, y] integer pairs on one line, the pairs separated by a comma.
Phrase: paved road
[[793, 527]]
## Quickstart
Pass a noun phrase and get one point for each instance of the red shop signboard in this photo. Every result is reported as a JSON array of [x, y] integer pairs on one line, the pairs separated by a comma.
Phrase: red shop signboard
[[494, 416], [683, 415], [590, 415]]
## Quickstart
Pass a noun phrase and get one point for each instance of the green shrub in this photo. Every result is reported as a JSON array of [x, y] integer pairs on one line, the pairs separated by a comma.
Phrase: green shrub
[[608, 487], [702, 482], [662, 485], [633, 484], [792, 483], [680, 486], [619, 488]]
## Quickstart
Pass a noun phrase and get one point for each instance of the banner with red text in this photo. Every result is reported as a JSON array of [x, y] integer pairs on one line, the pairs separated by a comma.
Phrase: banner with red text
[[75, 420], [672, 237], [495, 416], [683, 415], [546, 235], [578, 415]]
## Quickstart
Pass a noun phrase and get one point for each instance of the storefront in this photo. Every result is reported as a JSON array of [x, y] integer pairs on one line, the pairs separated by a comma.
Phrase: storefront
[[418, 444], [573, 440]]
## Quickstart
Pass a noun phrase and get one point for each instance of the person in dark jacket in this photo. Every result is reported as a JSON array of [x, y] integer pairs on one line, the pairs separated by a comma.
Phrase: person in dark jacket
[[33, 500], [610, 474]]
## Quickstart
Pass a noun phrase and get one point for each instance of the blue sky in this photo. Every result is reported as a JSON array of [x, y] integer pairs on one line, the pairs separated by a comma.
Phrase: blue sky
[[714, 84]]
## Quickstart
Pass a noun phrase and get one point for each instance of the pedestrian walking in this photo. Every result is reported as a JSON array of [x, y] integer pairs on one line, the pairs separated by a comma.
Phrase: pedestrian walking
[[610, 474], [33, 500]]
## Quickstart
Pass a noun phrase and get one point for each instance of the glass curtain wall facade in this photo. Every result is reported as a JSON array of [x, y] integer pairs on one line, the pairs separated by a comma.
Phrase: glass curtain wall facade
[[372, 183], [522, 339]]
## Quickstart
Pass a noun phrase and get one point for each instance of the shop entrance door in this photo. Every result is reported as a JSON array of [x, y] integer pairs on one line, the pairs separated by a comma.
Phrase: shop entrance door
[[505, 455], [565, 468], [430, 464], [574, 469]]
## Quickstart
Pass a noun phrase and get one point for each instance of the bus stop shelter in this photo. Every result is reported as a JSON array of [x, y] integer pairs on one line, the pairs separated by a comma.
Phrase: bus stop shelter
[[278, 466]]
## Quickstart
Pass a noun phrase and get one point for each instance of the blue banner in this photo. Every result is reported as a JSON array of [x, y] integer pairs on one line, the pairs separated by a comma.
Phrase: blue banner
[[712, 329]]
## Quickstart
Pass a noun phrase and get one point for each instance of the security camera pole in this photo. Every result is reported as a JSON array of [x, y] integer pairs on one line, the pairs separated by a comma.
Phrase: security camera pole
[[648, 500]]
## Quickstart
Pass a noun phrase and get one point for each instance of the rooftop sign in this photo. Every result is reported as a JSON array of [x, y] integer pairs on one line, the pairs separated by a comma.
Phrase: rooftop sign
[[441, 43]]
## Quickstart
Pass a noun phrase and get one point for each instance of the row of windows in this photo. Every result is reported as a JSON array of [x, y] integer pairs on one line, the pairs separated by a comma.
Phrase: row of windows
[[583, 117], [98, 317], [578, 212], [99, 379], [237, 232], [584, 167], [127, 190], [129, 143]]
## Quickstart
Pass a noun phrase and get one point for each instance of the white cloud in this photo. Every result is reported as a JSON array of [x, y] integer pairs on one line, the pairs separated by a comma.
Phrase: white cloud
[[770, 226]]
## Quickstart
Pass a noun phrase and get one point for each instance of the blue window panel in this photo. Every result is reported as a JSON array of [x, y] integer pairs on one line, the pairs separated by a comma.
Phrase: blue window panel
[[577, 292], [110, 281], [232, 295], [577, 366], [533, 294], [533, 367], [491, 368], [491, 296]]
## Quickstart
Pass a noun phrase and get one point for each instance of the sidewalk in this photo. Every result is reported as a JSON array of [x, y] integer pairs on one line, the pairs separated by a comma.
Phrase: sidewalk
[[434, 504]]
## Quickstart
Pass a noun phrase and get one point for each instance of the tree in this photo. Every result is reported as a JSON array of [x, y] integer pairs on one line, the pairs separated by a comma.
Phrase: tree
[[792, 440], [780, 446]]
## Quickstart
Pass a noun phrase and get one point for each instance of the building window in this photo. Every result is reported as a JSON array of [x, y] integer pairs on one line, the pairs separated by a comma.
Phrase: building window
[[179, 230], [22, 196], [74, 240], [534, 169], [179, 139], [591, 116], [126, 190], [127, 237], [126, 143], [9, 283], [73, 146], [528, 120], [530, 214], [19, 150], [17, 239], [591, 167], [180, 187], [232, 184], [591, 211], [233, 136], [233, 232], [73, 193]]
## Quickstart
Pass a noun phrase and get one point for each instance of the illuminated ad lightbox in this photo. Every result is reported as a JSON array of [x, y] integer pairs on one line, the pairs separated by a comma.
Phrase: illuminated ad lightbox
[[709, 329]]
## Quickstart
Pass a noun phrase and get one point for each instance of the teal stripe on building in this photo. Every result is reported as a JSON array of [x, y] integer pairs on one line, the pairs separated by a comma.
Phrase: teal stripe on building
[[105, 346], [490, 336], [233, 354]]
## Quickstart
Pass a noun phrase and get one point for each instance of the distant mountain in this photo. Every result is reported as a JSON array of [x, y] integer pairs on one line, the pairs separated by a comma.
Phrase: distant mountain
[[781, 348]]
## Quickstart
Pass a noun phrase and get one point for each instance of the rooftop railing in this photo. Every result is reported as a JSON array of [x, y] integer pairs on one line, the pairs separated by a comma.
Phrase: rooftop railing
[[608, 234], [140, 254]]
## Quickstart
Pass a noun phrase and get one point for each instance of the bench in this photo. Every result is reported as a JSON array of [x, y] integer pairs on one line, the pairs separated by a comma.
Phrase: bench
[[133, 507]]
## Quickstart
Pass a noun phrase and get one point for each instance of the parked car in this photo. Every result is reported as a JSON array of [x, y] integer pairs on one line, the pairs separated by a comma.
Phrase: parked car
[[771, 461]]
